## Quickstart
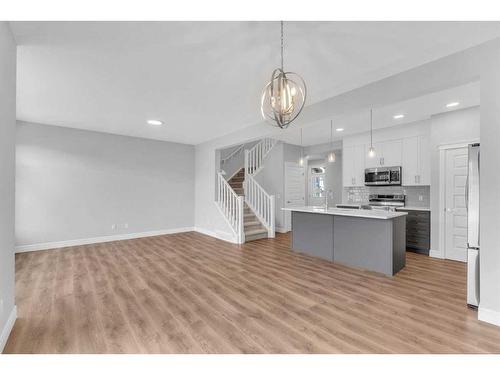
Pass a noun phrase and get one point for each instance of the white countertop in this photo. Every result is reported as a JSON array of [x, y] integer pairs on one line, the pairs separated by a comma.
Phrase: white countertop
[[412, 208], [370, 214]]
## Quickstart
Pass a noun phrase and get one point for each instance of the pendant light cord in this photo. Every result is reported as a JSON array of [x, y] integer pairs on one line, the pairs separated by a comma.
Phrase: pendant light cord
[[371, 127], [331, 133], [301, 146], [282, 45]]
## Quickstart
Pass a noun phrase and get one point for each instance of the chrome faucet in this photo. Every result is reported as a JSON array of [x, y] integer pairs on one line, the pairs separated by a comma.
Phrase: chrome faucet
[[328, 193]]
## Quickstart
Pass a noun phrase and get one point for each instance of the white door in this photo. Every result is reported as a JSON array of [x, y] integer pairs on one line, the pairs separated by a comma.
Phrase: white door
[[455, 209], [294, 189]]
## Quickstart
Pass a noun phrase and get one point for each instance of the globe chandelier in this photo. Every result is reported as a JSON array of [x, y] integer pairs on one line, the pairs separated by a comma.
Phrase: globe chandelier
[[284, 96]]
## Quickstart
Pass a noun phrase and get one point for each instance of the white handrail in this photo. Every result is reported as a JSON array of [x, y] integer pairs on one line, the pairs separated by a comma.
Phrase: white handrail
[[254, 157], [231, 206], [233, 153], [261, 203]]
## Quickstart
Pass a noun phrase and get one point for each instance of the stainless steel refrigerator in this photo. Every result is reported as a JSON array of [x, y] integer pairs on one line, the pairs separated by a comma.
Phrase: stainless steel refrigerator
[[472, 204]]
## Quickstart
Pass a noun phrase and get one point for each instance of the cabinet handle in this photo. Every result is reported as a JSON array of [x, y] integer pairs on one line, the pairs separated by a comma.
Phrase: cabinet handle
[[418, 178]]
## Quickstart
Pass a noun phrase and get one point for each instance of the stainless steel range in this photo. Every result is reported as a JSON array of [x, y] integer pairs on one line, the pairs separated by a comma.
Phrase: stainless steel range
[[388, 202]]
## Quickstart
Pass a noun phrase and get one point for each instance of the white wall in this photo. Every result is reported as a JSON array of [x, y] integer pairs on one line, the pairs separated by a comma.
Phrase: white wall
[[7, 173], [75, 184], [489, 256], [445, 129]]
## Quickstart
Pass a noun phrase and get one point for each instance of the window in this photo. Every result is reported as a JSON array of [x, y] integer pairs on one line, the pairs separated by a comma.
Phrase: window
[[318, 186]]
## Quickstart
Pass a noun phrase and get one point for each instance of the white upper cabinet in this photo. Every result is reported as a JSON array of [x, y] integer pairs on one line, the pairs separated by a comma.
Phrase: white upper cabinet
[[387, 154], [353, 165], [409, 167], [416, 161], [424, 158]]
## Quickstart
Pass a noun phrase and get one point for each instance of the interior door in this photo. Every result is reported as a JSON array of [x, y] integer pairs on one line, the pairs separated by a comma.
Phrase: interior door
[[294, 189], [455, 208]]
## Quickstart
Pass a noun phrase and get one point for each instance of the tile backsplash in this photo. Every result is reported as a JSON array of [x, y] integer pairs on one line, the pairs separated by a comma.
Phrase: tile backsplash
[[359, 195]]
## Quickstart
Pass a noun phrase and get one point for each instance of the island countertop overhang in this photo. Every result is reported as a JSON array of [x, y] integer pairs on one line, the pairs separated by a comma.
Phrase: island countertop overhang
[[369, 214]]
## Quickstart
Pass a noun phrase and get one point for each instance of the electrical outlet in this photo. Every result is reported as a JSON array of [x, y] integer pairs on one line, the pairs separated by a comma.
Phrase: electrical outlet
[[420, 198], [113, 226], [125, 226]]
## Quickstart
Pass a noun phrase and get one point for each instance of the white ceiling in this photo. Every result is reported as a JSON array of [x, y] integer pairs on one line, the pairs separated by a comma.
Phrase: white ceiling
[[416, 109], [204, 79]]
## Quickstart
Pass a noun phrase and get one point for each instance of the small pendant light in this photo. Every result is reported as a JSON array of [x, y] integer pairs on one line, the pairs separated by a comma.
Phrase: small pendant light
[[331, 155], [301, 160], [371, 151]]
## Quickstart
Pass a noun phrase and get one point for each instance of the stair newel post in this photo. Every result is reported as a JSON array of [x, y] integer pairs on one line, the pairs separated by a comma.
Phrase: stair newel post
[[272, 223], [241, 228]]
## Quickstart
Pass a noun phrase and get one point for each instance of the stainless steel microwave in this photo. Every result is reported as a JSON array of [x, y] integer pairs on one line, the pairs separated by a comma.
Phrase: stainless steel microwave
[[383, 176]]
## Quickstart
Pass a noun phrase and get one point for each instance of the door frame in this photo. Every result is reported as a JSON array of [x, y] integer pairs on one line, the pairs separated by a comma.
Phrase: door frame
[[442, 194]]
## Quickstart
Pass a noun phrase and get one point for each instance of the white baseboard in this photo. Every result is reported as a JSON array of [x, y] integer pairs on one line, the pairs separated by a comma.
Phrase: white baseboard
[[224, 236], [92, 240], [281, 230], [488, 316], [4, 336], [436, 254]]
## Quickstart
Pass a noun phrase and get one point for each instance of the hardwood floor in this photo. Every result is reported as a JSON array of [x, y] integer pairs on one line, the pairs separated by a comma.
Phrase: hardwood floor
[[189, 293]]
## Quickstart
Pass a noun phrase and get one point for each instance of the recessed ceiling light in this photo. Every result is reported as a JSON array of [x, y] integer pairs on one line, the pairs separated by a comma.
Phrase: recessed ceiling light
[[452, 104], [397, 117], [155, 122], [339, 129]]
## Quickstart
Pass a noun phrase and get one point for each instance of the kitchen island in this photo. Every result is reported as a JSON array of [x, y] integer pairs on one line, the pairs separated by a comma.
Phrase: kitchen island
[[374, 240]]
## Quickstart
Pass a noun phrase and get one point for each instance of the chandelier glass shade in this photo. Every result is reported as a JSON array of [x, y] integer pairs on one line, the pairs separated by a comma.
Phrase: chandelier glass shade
[[283, 98]]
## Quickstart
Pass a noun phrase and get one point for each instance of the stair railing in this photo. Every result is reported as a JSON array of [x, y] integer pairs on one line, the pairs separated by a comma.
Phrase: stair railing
[[231, 205], [261, 203], [235, 152], [254, 157]]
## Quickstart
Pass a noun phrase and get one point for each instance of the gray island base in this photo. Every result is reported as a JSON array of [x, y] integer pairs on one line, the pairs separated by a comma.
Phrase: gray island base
[[374, 241]]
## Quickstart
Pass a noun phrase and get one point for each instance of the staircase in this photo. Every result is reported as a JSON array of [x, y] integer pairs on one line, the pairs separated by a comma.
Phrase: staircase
[[253, 228], [245, 205]]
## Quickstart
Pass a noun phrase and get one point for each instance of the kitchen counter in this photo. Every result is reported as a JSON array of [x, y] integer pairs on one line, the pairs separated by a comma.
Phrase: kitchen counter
[[413, 208], [373, 240], [353, 212]]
